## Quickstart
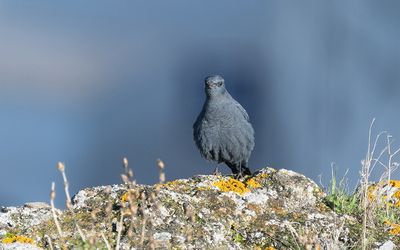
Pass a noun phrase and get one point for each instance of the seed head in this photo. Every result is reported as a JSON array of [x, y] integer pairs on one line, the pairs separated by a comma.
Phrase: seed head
[[60, 166], [160, 164], [125, 162]]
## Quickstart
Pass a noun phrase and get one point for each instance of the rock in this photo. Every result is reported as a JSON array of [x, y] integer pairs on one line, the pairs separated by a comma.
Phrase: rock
[[18, 246], [273, 208], [30, 214], [388, 245], [37, 205]]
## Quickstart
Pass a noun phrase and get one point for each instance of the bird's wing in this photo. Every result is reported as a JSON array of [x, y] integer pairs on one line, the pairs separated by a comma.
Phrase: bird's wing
[[242, 110]]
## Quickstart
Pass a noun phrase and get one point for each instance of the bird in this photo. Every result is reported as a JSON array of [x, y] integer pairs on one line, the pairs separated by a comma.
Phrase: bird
[[222, 131]]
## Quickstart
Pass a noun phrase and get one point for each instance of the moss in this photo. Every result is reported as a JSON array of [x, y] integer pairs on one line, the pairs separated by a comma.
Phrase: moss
[[298, 217], [231, 185], [237, 237], [203, 188], [174, 185]]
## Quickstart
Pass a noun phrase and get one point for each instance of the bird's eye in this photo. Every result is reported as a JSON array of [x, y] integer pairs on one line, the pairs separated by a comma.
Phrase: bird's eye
[[219, 84]]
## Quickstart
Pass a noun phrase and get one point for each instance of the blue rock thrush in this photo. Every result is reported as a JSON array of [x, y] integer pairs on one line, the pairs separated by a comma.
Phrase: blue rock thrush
[[222, 131]]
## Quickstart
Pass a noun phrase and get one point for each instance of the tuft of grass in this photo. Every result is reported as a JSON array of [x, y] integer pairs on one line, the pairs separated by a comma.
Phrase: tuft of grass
[[340, 199], [376, 205]]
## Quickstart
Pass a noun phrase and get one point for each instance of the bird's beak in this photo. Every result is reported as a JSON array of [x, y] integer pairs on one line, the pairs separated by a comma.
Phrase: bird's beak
[[211, 85]]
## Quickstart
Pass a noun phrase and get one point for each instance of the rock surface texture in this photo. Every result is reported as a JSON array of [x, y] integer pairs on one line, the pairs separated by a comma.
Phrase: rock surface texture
[[272, 209]]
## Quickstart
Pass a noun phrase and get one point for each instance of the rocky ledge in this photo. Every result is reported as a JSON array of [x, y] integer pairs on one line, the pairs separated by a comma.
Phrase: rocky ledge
[[273, 209]]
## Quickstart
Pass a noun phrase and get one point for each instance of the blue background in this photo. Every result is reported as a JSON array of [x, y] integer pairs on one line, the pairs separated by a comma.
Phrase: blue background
[[89, 82]]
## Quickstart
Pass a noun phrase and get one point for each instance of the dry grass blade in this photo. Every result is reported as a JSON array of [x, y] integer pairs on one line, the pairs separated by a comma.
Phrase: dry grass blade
[[161, 167], [53, 209], [49, 241], [61, 168], [119, 230]]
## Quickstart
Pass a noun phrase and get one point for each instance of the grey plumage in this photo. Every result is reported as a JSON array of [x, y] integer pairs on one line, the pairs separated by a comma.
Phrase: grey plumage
[[222, 131]]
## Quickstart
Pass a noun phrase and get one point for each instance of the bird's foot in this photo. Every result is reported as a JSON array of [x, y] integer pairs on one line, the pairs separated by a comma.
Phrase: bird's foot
[[242, 174], [239, 175]]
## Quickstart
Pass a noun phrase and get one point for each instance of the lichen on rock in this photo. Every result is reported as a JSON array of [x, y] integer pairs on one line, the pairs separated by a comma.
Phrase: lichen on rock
[[273, 209]]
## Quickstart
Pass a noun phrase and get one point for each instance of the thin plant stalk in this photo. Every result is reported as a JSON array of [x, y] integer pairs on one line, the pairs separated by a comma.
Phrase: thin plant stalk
[[120, 225], [53, 209], [365, 171], [389, 168], [49, 241], [61, 167], [105, 241]]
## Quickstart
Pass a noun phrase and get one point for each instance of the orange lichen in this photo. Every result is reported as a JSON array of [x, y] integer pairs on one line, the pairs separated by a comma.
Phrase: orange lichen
[[16, 238], [279, 211], [395, 183], [392, 200], [231, 185], [395, 228], [253, 183]]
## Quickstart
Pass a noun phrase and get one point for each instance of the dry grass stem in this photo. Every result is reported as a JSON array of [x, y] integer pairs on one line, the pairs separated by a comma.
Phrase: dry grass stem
[[368, 165], [53, 209], [127, 177], [49, 241], [161, 167], [119, 230], [392, 166], [105, 241], [365, 172], [144, 221], [61, 168]]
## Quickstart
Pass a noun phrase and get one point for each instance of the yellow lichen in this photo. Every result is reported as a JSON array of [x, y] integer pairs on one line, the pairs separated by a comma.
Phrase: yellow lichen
[[253, 183], [395, 183], [268, 248], [262, 175], [130, 194], [203, 188], [125, 197], [16, 238], [372, 190], [231, 185], [395, 228]]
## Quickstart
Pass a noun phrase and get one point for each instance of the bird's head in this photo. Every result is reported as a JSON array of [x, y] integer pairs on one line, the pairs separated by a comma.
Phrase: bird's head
[[215, 86]]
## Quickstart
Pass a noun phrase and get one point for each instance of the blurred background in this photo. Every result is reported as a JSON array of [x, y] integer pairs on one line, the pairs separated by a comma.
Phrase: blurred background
[[87, 83]]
